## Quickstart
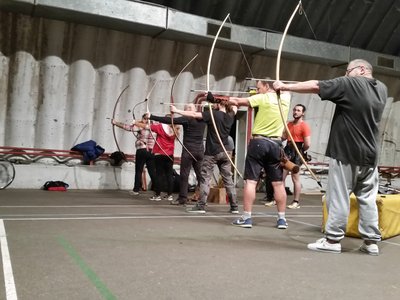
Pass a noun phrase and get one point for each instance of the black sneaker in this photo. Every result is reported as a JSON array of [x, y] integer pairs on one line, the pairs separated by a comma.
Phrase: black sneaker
[[288, 191], [234, 210], [177, 202]]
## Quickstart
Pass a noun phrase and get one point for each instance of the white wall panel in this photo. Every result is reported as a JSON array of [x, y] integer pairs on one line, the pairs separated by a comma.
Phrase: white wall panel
[[59, 82], [22, 100]]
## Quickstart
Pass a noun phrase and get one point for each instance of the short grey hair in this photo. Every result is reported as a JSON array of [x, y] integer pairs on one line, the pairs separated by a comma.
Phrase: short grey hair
[[362, 62]]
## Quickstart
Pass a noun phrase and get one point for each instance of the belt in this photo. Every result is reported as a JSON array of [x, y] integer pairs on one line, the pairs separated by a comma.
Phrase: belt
[[259, 136]]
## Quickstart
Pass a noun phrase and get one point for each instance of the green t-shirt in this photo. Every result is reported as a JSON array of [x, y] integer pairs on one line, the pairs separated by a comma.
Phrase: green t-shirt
[[268, 120]]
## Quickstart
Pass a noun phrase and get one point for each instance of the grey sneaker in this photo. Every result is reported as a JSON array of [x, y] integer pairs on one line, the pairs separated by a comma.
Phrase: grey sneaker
[[133, 193], [196, 209], [322, 245], [177, 202], [371, 249]]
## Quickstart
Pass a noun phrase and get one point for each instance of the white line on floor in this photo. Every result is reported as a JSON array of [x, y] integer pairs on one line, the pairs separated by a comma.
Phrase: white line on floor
[[103, 216], [11, 292], [118, 206], [303, 223]]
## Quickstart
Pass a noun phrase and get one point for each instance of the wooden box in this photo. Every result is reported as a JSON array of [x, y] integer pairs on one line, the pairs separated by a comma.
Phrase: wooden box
[[217, 195]]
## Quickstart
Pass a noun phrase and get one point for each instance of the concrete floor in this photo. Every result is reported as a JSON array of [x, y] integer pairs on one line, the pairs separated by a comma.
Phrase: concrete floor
[[109, 245]]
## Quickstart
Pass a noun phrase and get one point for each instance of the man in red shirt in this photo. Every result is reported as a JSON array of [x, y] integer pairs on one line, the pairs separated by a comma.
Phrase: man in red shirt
[[301, 134]]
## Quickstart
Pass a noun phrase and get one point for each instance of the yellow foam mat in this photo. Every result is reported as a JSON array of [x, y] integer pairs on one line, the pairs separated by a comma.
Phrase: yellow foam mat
[[388, 210]]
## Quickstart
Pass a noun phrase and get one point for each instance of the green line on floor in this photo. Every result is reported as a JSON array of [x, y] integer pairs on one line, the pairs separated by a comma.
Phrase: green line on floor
[[101, 287]]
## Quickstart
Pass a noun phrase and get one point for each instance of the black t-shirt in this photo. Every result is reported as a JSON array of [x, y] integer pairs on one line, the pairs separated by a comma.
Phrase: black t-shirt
[[360, 102], [223, 123], [193, 131]]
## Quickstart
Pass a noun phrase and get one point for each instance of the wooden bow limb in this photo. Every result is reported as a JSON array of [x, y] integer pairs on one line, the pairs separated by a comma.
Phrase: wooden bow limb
[[278, 61], [146, 100], [210, 105], [113, 117], [139, 103], [172, 102], [134, 117]]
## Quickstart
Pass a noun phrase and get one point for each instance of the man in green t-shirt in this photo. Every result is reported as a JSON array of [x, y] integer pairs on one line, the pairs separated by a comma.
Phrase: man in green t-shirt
[[264, 150]]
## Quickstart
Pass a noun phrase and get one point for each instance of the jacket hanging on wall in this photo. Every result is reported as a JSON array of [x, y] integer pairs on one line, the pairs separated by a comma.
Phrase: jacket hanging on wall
[[90, 150]]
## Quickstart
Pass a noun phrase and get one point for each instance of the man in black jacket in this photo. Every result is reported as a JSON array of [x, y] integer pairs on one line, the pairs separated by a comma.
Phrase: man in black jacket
[[193, 133]]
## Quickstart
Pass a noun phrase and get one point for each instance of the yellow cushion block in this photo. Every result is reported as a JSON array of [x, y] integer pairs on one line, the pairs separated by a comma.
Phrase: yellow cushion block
[[388, 211]]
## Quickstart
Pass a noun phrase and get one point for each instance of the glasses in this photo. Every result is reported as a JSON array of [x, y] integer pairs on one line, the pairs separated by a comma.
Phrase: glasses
[[348, 71]]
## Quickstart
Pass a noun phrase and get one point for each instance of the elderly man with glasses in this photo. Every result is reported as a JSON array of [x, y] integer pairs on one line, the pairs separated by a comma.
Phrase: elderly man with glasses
[[353, 150]]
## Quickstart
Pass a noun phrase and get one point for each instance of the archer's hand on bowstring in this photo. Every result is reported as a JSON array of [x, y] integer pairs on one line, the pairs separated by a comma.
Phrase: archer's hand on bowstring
[[210, 97], [216, 99], [173, 109], [278, 86], [141, 124], [116, 123]]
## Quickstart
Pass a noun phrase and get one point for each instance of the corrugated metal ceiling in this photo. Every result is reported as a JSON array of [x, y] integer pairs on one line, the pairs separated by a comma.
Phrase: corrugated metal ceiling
[[366, 24]]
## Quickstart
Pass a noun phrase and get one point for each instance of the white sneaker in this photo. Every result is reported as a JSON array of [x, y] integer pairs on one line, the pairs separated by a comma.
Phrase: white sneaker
[[294, 205], [155, 198], [323, 245], [133, 193], [169, 198], [270, 203], [371, 249]]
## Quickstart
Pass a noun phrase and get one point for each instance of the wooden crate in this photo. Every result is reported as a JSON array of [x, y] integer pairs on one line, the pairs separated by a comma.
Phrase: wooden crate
[[217, 195]]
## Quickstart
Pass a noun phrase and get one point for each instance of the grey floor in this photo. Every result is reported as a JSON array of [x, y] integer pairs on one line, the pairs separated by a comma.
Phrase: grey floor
[[109, 245]]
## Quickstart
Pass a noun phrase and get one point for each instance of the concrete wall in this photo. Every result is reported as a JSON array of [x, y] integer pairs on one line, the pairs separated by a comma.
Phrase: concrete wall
[[100, 177]]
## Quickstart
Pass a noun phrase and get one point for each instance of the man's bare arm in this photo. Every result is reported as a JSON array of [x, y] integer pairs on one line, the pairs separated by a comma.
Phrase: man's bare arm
[[307, 143], [186, 113], [306, 87], [236, 101]]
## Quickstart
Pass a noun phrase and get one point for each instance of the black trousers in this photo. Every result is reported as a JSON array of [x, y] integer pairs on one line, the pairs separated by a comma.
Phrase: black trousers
[[187, 162], [143, 157], [164, 174]]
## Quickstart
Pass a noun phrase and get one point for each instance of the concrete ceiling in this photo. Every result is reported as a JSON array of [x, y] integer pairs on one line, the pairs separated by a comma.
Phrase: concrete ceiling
[[366, 24]]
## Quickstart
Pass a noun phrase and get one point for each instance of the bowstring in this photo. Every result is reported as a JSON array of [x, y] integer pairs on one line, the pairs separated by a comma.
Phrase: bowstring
[[303, 11], [244, 55]]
